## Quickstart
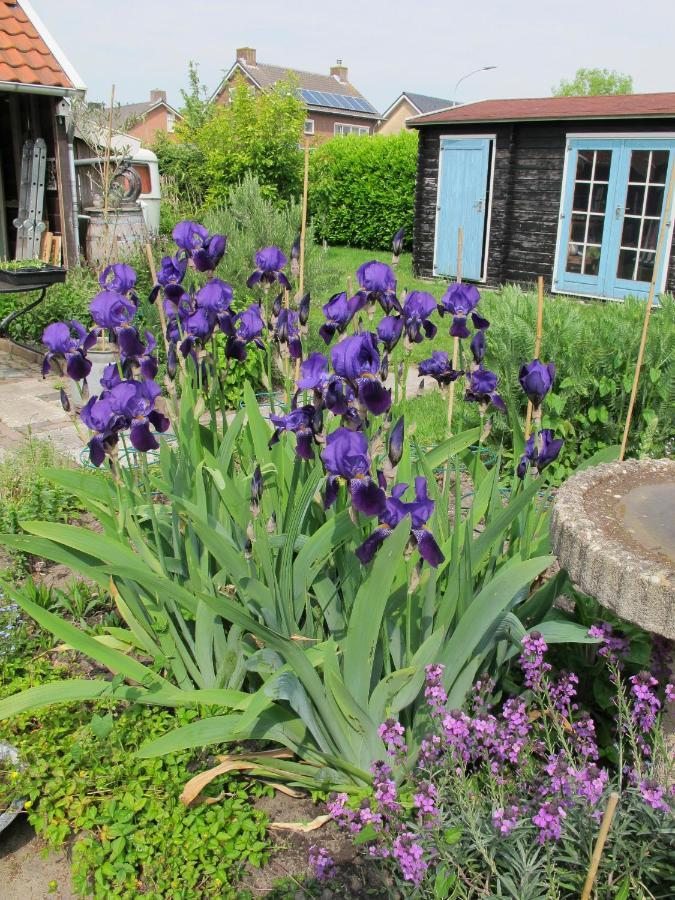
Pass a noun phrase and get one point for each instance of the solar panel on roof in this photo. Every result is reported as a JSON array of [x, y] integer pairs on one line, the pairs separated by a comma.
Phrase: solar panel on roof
[[335, 101]]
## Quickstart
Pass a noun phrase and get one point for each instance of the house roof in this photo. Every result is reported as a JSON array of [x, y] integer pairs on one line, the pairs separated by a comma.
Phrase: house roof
[[426, 104], [622, 106], [317, 91], [29, 55], [128, 111]]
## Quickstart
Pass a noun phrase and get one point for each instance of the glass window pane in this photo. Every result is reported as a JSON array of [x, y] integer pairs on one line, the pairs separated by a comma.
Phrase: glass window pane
[[645, 268], [654, 201], [650, 234], [603, 160], [635, 196], [581, 195], [595, 224], [639, 165], [659, 166], [631, 232], [578, 229], [592, 261], [626, 265], [599, 198], [573, 258], [584, 165]]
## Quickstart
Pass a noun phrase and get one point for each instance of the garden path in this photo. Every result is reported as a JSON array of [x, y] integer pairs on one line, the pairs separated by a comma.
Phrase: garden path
[[30, 405]]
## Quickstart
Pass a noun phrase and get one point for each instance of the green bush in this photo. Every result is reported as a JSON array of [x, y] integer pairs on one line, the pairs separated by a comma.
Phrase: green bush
[[362, 189]]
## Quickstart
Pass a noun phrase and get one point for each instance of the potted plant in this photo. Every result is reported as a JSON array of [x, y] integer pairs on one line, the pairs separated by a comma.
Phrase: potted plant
[[24, 273]]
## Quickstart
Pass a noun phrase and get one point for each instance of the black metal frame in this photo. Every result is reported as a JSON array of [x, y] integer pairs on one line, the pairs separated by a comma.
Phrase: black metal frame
[[14, 289]]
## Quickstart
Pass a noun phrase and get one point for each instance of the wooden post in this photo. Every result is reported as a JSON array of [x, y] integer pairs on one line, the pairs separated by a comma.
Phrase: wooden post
[[667, 212], [600, 844], [106, 168], [537, 345], [303, 223], [455, 341]]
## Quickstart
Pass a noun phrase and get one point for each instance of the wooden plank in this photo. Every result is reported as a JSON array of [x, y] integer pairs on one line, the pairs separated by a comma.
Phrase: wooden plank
[[46, 249], [56, 250], [66, 199]]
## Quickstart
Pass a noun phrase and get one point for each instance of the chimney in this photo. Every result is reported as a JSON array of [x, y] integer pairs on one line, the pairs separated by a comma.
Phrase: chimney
[[339, 71], [246, 55], [156, 96]]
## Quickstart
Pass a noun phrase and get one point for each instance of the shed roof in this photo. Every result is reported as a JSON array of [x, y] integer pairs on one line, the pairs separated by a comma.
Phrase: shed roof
[[29, 55], [621, 106]]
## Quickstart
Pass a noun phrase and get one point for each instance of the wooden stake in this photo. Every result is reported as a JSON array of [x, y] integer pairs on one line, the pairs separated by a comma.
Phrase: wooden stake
[[537, 345], [303, 223], [160, 305], [455, 341], [106, 166], [650, 302], [600, 844]]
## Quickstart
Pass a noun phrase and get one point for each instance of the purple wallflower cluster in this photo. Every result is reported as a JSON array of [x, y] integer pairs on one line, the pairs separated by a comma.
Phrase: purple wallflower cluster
[[322, 862], [612, 646], [532, 660]]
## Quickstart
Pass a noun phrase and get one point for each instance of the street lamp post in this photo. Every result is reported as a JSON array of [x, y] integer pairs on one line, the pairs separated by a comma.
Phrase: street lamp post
[[468, 75]]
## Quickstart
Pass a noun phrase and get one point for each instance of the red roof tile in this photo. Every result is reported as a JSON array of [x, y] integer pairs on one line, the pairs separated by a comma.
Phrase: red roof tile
[[25, 57], [624, 106]]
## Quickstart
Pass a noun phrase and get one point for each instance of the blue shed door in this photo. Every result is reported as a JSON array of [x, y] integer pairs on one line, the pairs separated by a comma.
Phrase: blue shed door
[[612, 212], [464, 166]]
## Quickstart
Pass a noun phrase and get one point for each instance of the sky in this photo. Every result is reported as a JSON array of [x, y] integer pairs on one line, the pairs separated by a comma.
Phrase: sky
[[422, 46]]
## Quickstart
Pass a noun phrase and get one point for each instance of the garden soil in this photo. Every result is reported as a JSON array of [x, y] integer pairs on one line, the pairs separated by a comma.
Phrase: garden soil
[[25, 873]]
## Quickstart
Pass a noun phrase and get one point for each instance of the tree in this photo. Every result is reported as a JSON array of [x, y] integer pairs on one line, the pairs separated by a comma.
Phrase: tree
[[592, 82], [257, 132], [197, 107]]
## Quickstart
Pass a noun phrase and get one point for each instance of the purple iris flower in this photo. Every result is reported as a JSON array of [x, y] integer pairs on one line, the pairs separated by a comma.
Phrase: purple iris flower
[[356, 360], [346, 458], [216, 295], [482, 388], [119, 278], [330, 390], [477, 346], [242, 329], [305, 422], [111, 377], [207, 257], [536, 379], [197, 329], [170, 275], [339, 312], [111, 310], [439, 367], [389, 331], [397, 243], [190, 236], [135, 353], [417, 308], [98, 416], [459, 300], [314, 373], [61, 344], [550, 448], [287, 331], [378, 284], [269, 262], [396, 509], [134, 403]]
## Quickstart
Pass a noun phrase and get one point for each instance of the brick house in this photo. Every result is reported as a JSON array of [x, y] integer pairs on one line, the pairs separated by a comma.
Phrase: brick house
[[334, 105], [407, 105], [144, 120]]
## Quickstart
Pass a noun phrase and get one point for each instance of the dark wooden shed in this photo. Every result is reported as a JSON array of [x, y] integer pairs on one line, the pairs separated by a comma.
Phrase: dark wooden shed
[[571, 188]]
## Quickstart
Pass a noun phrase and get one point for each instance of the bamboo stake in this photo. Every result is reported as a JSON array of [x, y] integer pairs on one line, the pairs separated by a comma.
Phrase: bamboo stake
[[650, 302], [106, 167], [455, 341], [537, 345], [303, 232], [600, 844]]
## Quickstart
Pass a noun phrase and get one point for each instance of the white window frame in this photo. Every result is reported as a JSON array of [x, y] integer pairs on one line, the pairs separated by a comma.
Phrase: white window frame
[[491, 182], [170, 123], [339, 129], [619, 136], [309, 126]]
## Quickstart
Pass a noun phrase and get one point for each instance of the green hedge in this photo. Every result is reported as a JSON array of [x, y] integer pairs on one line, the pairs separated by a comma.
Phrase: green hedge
[[362, 189]]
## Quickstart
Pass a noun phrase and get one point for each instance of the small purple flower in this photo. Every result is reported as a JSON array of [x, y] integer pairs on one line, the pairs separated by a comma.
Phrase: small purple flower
[[505, 819], [111, 310], [416, 309], [190, 236], [384, 787], [482, 388], [410, 856], [536, 379], [269, 262], [613, 646], [459, 300], [119, 278], [62, 345], [322, 862], [653, 793], [207, 257], [439, 368], [645, 704], [549, 820], [434, 692], [378, 284], [420, 511], [345, 457], [339, 312], [532, 660], [391, 731]]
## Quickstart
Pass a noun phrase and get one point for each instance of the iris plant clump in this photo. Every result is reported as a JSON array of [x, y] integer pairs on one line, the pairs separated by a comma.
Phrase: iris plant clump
[[529, 766]]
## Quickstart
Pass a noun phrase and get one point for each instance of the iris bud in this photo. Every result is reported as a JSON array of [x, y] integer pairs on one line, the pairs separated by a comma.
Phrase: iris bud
[[303, 309], [396, 437]]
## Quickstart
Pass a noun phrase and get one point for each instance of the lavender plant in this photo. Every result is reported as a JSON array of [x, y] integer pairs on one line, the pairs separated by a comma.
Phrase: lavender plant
[[275, 563]]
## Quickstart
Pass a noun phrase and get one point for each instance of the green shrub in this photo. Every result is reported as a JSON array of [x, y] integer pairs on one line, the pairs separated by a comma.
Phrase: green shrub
[[362, 189]]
